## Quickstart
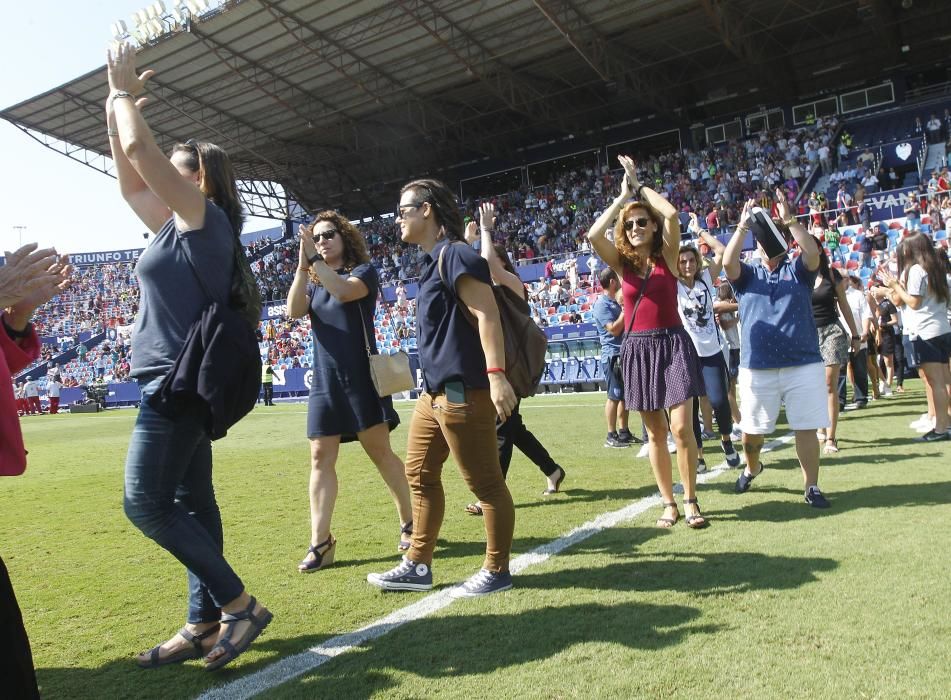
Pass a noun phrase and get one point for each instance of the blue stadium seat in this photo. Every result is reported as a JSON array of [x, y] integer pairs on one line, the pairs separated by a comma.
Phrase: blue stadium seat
[[592, 366], [557, 370]]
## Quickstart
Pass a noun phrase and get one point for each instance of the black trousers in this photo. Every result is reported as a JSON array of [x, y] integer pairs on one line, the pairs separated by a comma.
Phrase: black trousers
[[513, 433], [859, 363], [268, 394], [17, 676]]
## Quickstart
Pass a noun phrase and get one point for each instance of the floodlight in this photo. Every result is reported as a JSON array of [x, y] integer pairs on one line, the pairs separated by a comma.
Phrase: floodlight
[[119, 29], [202, 4], [140, 17], [192, 7], [159, 7], [150, 12]]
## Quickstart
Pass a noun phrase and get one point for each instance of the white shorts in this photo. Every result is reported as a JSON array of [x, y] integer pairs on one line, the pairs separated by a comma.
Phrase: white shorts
[[802, 389]]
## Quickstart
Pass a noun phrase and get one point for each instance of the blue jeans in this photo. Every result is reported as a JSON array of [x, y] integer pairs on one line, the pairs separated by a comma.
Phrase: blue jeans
[[169, 496]]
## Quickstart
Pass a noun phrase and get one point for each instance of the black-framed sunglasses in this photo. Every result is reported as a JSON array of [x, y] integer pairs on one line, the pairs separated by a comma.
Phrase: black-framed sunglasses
[[401, 209], [641, 221], [326, 235]]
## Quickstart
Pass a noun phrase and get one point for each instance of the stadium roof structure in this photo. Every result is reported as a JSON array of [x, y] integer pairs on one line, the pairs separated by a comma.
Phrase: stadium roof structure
[[338, 102]]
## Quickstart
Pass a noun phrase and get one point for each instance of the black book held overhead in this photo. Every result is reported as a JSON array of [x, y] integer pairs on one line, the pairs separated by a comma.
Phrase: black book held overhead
[[767, 233]]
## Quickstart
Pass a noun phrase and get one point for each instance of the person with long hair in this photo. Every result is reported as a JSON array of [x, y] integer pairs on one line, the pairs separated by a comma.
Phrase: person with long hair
[[660, 367], [890, 346], [779, 353], [190, 203], [462, 357], [695, 301], [828, 301], [922, 288], [511, 433], [337, 286]]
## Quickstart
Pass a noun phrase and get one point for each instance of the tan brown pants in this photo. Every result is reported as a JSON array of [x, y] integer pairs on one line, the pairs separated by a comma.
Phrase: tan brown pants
[[467, 431]]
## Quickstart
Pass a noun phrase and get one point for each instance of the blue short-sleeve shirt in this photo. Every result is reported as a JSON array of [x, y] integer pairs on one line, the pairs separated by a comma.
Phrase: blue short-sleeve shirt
[[776, 322], [448, 343], [606, 311]]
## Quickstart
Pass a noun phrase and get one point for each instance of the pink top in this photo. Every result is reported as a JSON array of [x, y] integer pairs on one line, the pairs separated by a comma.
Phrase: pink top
[[12, 359], [658, 307]]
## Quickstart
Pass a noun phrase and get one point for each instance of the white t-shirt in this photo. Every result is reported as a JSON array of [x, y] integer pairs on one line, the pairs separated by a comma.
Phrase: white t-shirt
[[696, 311], [929, 320], [52, 388]]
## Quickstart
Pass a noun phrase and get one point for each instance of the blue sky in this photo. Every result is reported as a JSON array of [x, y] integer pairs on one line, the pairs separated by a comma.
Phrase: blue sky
[[61, 202]]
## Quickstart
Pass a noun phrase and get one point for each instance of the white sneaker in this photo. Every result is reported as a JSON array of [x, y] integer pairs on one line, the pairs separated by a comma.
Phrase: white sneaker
[[671, 445], [645, 448], [737, 434], [886, 390], [923, 420], [926, 426]]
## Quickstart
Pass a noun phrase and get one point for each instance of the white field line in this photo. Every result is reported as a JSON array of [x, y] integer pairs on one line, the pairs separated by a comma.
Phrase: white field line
[[287, 669]]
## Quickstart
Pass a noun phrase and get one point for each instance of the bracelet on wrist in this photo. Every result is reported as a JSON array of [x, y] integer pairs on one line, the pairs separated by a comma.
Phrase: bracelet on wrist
[[493, 370], [119, 94], [15, 334]]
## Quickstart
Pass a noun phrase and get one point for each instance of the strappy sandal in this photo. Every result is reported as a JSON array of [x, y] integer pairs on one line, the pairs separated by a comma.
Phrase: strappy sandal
[[561, 477], [667, 523], [232, 650], [405, 542], [473, 509], [695, 521], [185, 654], [321, 559]]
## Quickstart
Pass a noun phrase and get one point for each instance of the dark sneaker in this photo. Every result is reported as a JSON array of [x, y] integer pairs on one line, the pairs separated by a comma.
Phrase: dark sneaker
[[613, 440], [732, 458], [483, 583], [815, 498], [934, 436], [743, 483], [408, 576], [701, 466], [704, 435], [627, 437]]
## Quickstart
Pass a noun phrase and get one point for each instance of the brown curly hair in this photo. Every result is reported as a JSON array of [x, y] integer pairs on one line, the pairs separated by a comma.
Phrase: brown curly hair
[[623, 245], [354, 246]]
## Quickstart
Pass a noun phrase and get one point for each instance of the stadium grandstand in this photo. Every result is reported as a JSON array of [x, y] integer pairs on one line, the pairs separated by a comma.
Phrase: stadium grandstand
[[334, 105]]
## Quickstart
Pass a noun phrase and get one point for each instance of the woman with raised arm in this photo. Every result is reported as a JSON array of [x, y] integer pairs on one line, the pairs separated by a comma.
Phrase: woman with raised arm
[[190, 202], [659, 363], [462, 357], [337, 286], [511, 433], [922, 288], [695, 300]]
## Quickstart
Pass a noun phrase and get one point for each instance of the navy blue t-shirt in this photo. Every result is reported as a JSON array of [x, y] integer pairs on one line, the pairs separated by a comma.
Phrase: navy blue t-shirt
[[449, 345], [339, 341], [170, 296]]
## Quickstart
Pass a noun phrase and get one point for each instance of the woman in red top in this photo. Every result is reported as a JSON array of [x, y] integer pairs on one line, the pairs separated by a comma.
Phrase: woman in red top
[[660, 366]]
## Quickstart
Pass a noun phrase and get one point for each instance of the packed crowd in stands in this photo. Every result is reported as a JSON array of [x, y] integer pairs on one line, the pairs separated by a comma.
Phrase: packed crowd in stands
[[541, 223]]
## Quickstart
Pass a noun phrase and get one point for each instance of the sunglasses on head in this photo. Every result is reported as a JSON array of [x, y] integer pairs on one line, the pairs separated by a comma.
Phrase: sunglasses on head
[[326, 235], [641, 221]]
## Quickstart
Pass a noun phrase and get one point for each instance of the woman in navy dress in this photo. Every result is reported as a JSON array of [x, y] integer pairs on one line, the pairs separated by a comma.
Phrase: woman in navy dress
[[336, 284]]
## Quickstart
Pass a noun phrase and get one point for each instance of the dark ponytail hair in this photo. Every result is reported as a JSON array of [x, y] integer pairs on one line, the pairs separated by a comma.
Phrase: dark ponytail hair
[[216, 178], [443, 202]]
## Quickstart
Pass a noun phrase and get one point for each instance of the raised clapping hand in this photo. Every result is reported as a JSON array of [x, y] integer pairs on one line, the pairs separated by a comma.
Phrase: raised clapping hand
[[472, 232], [120, 68], [30, 274], [487, 216], [308, 248], [746, 213], [32, 277], [782, 205], [630, 170]]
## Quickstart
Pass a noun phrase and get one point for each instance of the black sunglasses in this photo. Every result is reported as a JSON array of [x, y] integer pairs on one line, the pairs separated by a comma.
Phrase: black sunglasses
[[326, 235], [640, 221], [412, 205]]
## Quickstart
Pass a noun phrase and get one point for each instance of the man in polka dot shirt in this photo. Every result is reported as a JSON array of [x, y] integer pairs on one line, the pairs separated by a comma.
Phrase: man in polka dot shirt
[[779, 359]]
